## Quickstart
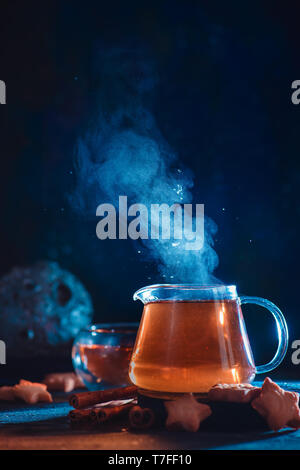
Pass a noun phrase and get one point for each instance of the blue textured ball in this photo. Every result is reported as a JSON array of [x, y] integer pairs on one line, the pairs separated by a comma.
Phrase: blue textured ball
[[42, 308]]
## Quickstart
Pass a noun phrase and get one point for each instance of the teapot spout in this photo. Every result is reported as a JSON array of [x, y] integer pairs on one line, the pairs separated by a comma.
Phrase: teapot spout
[[146, 294]]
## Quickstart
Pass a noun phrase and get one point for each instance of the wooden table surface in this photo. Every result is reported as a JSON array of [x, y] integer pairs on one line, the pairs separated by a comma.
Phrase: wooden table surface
[[46, 427]]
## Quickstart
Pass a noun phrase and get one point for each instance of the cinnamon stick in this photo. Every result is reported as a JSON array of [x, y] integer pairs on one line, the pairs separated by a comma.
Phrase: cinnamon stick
[[77, 416], [107, 413], [141, 418], [88, 399]]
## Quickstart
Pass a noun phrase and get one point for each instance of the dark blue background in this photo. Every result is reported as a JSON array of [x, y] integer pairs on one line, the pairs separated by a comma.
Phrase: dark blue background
[[223, 102]]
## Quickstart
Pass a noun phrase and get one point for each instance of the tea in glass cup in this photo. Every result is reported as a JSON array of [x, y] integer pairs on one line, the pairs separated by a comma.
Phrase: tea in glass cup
[[101, 354], [192, 337]]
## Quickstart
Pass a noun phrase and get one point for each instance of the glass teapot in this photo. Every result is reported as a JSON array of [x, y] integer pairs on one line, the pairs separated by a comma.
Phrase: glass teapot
[[191, 337]]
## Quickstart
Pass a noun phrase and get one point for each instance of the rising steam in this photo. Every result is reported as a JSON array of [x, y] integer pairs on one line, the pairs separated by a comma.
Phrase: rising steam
[[124, 153]]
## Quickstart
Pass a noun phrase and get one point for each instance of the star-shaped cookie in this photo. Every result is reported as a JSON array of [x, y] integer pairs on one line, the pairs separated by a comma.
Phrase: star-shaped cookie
[[186, 413], [31, 392], [237, 393], [65, 381], [279, 407], [6, 393]]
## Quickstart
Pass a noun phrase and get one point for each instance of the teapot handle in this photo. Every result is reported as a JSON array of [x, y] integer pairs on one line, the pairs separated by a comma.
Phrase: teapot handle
[[282, 331]]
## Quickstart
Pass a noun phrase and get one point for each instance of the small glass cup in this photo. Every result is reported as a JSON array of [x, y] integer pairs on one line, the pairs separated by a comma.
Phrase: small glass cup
[[101, 354]]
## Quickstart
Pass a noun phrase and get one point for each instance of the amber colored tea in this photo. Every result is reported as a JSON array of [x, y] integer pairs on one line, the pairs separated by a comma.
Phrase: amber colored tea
[[107, 364], [188, 346]]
